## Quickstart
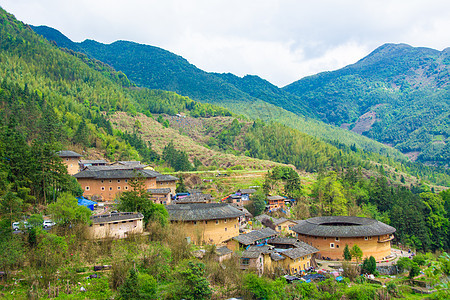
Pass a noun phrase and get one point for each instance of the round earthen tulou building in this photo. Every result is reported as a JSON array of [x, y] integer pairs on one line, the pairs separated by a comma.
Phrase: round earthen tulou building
[[331, 234]]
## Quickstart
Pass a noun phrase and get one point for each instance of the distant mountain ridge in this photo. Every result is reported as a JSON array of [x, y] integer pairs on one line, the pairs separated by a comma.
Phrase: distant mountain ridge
[[403, 89], [406, 89]]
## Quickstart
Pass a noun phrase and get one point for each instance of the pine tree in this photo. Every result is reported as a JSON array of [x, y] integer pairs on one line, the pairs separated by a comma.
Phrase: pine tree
[[347, 255], [130, 288]]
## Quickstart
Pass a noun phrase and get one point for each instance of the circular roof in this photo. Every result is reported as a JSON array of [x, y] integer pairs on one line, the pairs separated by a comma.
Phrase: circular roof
[[342, 226]]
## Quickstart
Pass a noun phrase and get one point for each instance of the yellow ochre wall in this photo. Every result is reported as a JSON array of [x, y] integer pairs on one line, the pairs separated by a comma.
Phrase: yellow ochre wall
[[72, 164], [370, 246], [172, 185], [210, 231], [119, 229], [111, 187]]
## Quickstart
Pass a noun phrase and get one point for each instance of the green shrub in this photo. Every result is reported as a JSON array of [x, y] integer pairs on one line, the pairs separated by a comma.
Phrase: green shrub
[[361, 292]]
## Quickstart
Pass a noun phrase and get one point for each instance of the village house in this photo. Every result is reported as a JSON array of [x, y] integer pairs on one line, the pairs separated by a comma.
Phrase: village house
[[71, 160], [252, 260], [92, 162], [116, 225], [233, 199], [160, 195], [331, 234], [167, 181], [255, 237], [105, 183], [245, 194], [210, 223], [281, 225], [286, 254], [297, 259], [275, 203], [244, 219], [223, 253], [194, 198]]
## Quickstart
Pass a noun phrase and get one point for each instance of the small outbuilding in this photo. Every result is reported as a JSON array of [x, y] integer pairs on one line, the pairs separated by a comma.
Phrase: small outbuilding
[[116, 225]]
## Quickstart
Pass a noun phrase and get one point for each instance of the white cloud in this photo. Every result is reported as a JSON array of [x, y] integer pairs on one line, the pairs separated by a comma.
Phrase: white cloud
[[279, 40]]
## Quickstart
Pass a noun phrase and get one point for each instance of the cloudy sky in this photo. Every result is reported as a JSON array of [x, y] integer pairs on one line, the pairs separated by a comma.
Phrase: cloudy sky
[[280, 41]]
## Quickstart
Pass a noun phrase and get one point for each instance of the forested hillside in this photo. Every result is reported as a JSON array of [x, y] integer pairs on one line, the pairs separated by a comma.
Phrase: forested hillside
[[252, 96], [398, 95], [406, 88]]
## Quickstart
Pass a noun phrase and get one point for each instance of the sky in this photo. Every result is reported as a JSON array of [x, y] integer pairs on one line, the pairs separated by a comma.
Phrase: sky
[[281, 41]]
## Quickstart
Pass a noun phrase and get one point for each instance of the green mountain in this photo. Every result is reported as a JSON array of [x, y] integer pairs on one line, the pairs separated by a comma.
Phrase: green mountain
[[252, 96], [398, 95]]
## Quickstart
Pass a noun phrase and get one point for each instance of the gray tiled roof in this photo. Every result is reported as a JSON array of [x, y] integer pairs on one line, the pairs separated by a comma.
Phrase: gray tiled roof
[[275, 256], [342, 226], [260, 218], [281, 220], [115, 217], [255, 235], [93, 161], [159, 191], [223, 251], [247, 191], [282, 241], [166, 178], [114, 172], [261, 249], [302, 250], [250, 254], [202, 211], [68, 153], [275, 198], [194, 198]]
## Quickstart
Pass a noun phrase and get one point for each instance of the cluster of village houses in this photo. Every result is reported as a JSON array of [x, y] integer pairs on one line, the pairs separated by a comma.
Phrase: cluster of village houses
[[288, 245]]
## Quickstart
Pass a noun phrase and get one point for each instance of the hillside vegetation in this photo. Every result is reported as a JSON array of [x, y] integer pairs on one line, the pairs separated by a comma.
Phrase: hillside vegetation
[[406, 88], [155, 68]]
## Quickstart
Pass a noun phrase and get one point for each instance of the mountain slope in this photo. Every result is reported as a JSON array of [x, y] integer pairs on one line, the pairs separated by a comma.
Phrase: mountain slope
[[406, 89], [252, 96]]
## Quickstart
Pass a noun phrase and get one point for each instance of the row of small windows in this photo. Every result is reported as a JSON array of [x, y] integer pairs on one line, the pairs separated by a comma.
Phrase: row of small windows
[[206, 222], [337, 239], [110, 188], [110, 181], [103, 224]]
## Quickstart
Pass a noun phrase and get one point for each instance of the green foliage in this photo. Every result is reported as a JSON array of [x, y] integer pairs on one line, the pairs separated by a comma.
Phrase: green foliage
[[50, 255], [411, 115], [130, 288], [356, 252], [177, 159], [444, 261], [263, 288], [147, 286], [66, 212], [414, 271], [347, 256], [138, 200], [362, 292], [404, 263], [12, 248], [146, 152], [181, 187], [191, 283], [369, 266], [419, 259], [290, 179], [329, 193], [258, 203]]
